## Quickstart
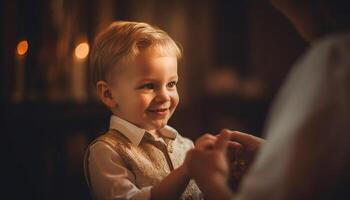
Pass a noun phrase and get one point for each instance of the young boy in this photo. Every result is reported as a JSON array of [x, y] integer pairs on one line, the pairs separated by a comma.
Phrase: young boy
[[134, 68]]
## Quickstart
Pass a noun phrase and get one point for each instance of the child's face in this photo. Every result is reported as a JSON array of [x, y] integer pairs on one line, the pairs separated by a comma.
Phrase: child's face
[[145, 90]]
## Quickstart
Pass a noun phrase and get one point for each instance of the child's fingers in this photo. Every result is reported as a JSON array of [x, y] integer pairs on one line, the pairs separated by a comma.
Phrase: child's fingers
[[206, 141], [222, 141], [237, 136], [225, 130], [206, 136], [206, 145]]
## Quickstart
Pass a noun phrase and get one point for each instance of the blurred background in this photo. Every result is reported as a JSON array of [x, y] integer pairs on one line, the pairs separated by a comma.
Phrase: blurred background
[[236, 55]]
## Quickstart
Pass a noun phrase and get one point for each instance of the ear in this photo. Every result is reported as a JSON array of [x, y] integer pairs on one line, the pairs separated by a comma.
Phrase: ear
[[105, 94]]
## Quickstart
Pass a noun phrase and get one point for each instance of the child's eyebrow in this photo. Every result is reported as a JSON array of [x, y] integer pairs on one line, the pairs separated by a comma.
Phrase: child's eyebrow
[[174, 77], [156, 80], [147, 80]]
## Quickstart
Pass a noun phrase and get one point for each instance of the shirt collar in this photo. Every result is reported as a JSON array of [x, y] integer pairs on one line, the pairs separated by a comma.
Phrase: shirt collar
[[135, 133]]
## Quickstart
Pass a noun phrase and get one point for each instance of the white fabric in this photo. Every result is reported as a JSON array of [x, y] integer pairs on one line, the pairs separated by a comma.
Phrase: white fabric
[[307, 147], [134, 133]]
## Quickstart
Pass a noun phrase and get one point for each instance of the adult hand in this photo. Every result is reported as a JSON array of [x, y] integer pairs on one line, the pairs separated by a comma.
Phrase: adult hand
[[240, 159], [249, 143]]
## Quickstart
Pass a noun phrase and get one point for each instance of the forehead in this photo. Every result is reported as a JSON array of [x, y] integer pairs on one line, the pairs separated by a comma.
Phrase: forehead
[[152, 65], [154, 61]]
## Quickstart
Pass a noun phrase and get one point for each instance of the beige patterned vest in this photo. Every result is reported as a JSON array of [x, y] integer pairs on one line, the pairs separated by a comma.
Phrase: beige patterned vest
[[152, 159]]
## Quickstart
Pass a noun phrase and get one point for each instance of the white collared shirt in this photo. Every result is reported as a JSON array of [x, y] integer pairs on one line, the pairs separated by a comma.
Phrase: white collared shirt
[[110, 178], [134, 133]]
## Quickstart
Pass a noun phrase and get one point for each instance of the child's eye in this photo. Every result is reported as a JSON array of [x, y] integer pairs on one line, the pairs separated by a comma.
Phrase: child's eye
[[172, 84], [148, 86]]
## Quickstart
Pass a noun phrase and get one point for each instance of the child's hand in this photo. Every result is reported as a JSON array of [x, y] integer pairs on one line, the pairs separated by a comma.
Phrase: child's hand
[[240, 152], [205, 142], [208, 161], [208, 141]]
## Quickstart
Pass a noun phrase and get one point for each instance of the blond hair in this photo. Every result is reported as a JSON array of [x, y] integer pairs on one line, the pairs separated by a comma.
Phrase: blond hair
[[124, 40]]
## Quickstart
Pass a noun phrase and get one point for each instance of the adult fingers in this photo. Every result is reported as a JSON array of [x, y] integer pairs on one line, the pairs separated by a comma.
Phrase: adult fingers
[[234, 145], [234, 150]]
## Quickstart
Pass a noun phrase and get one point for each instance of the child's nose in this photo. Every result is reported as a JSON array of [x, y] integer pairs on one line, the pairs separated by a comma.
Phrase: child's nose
[[162, 96]]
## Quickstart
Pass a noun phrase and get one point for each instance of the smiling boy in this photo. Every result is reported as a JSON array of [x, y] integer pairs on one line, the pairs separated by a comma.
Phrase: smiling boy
[[134, 68]]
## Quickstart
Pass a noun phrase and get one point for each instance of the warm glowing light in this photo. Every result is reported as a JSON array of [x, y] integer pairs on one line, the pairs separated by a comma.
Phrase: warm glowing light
[[22, 47], [82, 50]]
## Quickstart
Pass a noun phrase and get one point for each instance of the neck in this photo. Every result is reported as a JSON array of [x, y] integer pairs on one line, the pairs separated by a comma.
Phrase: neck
[[154, 132]]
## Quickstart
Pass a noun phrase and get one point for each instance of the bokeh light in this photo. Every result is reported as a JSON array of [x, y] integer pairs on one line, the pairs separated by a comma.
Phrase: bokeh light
[[22, 47], [82, 50]]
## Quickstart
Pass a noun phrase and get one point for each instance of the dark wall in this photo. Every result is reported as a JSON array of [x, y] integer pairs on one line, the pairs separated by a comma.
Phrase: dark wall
[[46, 132]]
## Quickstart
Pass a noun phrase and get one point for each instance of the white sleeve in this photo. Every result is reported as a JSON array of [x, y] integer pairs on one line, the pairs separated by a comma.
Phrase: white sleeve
[[109, 177], [307, 149]]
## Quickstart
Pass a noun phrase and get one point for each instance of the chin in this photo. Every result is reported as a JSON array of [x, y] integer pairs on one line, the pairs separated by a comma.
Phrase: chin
[[159, 125]]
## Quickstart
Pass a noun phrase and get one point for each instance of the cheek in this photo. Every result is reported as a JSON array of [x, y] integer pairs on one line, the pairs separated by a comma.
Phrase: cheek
[[175, 99], [143, 101]]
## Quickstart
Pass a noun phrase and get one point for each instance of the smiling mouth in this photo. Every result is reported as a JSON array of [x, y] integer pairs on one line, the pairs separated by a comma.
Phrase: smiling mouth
[[162, 111]]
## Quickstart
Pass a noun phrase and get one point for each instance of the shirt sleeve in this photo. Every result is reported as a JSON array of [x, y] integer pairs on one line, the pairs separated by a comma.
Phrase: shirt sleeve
[[306, 152], [109, 177]]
